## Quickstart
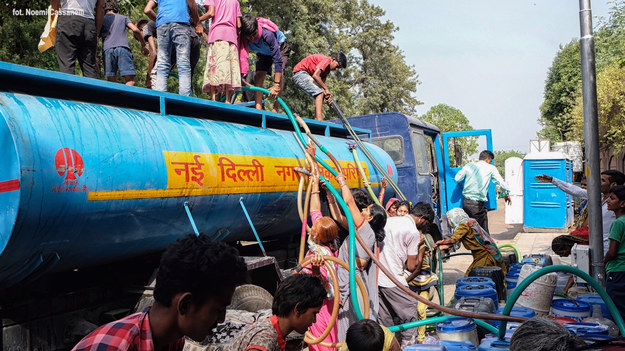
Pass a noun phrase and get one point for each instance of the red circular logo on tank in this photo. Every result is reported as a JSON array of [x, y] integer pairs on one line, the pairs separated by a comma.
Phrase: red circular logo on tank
[[389, 170], [69, 163]]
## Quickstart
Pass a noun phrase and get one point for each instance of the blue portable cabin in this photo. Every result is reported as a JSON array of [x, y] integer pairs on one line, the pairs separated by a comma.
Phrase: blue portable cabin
[[95, 172], [546, 207]]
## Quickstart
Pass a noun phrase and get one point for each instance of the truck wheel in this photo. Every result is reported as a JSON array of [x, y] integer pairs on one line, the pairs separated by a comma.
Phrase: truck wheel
[[251, 298]]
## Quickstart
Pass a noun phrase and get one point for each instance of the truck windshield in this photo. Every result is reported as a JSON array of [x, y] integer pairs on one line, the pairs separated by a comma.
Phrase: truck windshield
[[393, 145]]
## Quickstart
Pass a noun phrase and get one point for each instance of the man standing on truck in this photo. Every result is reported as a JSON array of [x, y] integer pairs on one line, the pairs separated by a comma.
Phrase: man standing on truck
[[77, 32], [477, 177], [194, 284]]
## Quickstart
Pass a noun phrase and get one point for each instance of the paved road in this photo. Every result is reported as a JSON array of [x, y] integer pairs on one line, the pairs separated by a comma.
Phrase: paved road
[[527, 243]]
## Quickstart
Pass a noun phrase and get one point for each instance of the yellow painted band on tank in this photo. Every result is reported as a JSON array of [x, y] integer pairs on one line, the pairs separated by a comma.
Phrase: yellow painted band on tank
[[199, 174]]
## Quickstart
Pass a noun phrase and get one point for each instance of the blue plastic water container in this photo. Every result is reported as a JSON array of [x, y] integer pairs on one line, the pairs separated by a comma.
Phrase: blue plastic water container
[[494, 344], [573, 309], [587, 329], [477, 291], [595, 299], [457, 329], [515, 267], [475, 281], [512, 279], [459, 345], [422, 347], [516, 312]]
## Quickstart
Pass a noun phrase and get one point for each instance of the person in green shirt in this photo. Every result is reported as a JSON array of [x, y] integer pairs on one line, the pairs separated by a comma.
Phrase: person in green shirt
[[615, 257]]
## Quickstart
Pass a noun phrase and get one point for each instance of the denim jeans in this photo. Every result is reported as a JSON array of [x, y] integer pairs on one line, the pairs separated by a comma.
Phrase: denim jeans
[[178, 35]]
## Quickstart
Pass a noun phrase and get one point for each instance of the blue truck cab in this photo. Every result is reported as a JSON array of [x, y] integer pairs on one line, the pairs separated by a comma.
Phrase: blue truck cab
[[419, 150]]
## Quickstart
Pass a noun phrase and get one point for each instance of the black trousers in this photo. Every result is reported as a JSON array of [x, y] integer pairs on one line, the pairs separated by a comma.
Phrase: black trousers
[[477, 211], [76, 39], [615, 287]]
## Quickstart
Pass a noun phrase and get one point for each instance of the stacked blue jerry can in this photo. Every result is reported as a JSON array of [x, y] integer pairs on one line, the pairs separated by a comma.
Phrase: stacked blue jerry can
[[546, 208]]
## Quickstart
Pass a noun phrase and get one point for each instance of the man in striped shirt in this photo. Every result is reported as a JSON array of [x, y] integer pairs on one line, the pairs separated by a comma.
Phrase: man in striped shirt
[[477, 176]]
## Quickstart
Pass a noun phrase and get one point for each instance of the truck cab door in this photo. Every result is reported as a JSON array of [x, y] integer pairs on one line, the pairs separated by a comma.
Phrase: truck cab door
[[453, 159]]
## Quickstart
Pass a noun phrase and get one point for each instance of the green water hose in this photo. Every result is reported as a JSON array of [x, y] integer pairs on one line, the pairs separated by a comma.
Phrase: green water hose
[[516, 250], [433, 320], [362, 176], [353, 236], [339, 199], [618, 319]]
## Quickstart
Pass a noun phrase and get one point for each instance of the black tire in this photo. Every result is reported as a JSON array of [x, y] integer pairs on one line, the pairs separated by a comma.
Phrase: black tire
[[251, 298]]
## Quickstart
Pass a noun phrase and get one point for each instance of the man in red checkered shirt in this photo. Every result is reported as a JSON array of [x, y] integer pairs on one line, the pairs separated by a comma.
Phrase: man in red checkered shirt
[[195, 282]]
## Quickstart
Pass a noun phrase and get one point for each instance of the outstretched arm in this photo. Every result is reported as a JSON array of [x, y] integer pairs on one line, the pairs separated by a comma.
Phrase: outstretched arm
[[346, 193], [382, 191], [564, 186]]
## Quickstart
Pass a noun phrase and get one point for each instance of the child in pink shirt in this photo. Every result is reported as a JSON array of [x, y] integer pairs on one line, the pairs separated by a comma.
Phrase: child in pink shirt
[[222, 73]]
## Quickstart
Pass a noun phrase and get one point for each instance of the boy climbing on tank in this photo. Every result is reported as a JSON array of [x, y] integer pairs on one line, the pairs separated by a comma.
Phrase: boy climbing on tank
[[310, 75]]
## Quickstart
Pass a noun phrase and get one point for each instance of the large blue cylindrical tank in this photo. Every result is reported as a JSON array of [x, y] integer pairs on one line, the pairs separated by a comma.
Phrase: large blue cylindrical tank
[[83, 184]]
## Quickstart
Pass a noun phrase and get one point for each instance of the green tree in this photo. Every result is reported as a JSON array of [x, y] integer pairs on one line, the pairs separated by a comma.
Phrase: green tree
[[502, 155], [450, 119], [562, 87]]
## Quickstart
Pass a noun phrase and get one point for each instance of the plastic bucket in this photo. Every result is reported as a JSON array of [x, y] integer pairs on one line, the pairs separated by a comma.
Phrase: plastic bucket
[[459, 345], [509, 256], [539, 294], [595, 299], [477, 291], [496, 274], [475, 281], [516, 312], [494, 344], [563, 278], [457, 329], [587, 329], [573, 309]]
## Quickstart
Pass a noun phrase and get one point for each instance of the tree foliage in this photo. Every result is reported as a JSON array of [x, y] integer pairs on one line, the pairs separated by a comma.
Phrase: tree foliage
[[562, 114], [502, 155], [376, 80], [451, 119]]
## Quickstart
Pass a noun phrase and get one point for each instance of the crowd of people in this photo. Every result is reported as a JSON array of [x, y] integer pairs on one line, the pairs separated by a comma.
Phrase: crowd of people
[[173, 37]]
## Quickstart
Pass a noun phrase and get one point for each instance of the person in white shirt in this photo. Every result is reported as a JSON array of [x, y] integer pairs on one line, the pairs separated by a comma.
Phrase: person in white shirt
[[398, 250], [609, 179], [477, 176]]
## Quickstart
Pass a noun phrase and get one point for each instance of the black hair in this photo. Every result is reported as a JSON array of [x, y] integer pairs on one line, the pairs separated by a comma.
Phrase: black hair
[[486, 154], [378, 221], [249, 26], [111, 5], [564, 243], [141, 22], [619, 191], [199, 265], [341, 59], [301, 291], [404, 203], [365, 335], [423, 210], [362, 198], [615, 176]]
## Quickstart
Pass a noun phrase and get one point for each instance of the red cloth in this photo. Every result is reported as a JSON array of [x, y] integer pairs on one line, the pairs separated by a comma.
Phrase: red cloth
[[130, 333], [582, 233], [313, 62]]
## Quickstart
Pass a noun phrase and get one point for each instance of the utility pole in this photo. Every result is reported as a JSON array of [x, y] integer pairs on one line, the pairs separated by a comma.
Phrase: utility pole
[[591, 141]]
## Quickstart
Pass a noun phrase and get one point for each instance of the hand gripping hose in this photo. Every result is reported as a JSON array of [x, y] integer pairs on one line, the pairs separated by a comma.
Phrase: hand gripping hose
[[353, 236]]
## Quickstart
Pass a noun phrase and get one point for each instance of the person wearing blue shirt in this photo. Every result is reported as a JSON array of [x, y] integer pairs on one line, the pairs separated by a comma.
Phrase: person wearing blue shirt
[[173, 28]]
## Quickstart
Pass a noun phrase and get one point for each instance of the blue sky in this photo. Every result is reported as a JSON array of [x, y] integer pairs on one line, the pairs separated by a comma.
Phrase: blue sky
[[487, 58]]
